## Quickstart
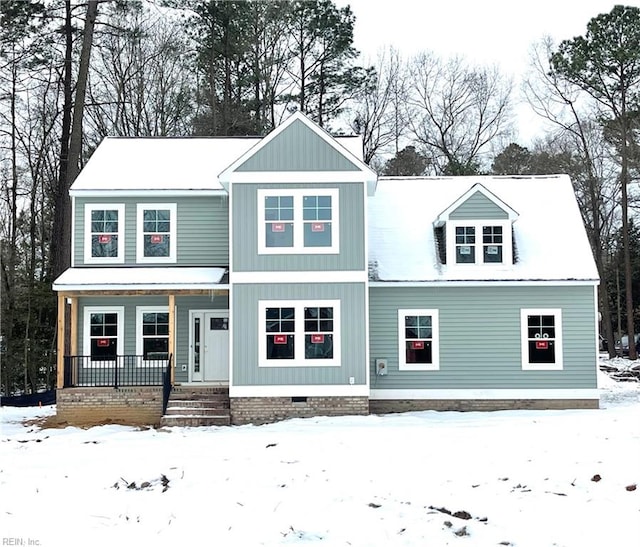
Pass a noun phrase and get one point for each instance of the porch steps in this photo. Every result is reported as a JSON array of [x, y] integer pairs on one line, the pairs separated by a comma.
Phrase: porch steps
[[191, 406]]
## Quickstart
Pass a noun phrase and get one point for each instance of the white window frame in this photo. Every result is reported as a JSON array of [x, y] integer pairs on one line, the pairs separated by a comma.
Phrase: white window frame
[[173, 242], [507, 243], [88, 209], [140, 311], [557, 313], [86, 342], [435, 340], [299, 333], [298, 195]]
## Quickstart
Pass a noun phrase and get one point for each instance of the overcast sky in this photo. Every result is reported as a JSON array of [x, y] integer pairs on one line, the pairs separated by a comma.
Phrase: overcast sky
[[482, 31]]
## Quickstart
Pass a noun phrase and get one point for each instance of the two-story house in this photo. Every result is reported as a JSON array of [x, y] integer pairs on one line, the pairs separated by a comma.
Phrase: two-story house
[[279, 277]]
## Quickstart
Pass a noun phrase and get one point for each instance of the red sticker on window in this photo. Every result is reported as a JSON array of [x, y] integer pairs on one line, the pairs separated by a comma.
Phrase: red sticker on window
[[280, 339], [417, 345], [157, 238], [317, 338], [277, 227], [103, 342], [317, 227], [542, 344], [104, 239]]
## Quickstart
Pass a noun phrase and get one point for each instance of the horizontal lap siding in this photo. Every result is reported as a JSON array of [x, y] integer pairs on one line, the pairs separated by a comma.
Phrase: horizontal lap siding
[[480, 340], [245, 325], [202, 229], [245, 233]]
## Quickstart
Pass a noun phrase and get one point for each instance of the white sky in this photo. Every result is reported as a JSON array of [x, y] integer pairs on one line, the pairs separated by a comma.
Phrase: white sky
[[482, 31]]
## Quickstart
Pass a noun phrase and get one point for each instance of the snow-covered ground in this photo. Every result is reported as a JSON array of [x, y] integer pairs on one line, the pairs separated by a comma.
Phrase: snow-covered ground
[[521, 478]]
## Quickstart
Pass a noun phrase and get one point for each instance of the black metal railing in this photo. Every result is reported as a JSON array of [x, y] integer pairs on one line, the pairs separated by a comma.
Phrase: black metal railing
[[166, 386], [119, 371]]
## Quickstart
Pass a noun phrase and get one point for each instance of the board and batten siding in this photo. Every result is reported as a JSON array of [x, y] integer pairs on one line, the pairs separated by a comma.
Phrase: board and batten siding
[[480, 337], [478, 207], [202, 228], [247, 327], [298, 148], [245, 232]]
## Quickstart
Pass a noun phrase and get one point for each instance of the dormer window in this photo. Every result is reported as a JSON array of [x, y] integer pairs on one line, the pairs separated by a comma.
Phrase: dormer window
[[476, 229], [480, 242]]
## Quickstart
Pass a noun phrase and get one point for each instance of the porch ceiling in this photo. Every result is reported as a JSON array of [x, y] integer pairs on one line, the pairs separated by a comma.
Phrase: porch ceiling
[[139, 279]]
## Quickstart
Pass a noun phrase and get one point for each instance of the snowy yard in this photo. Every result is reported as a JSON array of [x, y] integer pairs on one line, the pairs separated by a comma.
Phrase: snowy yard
[[521, 478]]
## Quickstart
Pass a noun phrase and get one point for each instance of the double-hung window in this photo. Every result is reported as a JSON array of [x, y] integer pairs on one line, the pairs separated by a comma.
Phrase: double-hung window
[[299, 333], [541, 334], [103, 334], [104, 233], [304, 221], [486, 242], [418, 335], [156, 232], [152, 341]]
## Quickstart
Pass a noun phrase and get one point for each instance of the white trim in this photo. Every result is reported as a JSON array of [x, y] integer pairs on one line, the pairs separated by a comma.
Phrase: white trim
[[299, 334], [483, 394], [507, 243], [350, 276], [147, 193], [367, 353], [142, 287], [435, 340], [298, 195], [88, 209], [475, 188], [524, 338], [488, 282], [288, 177], [173, 235], [358, 390], [74, 227], [86, 336], [596, 322], [140, 310]]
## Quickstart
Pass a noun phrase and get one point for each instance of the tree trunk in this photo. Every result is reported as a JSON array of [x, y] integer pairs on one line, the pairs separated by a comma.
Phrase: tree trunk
[[71, 145]]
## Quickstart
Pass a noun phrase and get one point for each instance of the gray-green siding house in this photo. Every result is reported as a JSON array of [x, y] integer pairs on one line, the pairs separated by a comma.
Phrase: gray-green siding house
[[282, 273]]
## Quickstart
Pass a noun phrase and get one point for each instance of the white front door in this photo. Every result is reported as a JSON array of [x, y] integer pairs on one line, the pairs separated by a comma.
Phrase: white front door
[[209, 346]]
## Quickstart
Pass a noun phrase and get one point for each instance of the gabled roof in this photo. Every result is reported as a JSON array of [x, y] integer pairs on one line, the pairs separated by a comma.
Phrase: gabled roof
[[477, 188], [328, 159], [183, 164], [550, 236]]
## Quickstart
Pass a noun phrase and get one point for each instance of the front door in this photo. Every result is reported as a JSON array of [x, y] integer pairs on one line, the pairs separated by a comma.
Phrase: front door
[[209, 346]]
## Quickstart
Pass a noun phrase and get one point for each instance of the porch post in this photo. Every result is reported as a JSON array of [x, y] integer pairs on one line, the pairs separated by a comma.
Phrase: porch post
[[172, 330], [73, 344], [60, 341]]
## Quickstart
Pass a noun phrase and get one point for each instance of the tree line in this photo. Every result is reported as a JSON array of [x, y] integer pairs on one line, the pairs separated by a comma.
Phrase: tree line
[[73, 72]]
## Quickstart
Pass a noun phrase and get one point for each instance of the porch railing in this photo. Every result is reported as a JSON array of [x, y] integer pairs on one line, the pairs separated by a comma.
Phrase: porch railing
[[166, 385], [118, 371]]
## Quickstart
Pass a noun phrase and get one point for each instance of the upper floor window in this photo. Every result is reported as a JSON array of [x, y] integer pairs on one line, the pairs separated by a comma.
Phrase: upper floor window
[[298, 221], [480, 242], [156, 235], [104, 233], [300, 333], [541, 332], [418, 335]]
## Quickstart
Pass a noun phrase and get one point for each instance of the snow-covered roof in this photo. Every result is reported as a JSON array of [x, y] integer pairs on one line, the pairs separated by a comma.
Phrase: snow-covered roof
[[550, 238], [135, 278], [169, 163]]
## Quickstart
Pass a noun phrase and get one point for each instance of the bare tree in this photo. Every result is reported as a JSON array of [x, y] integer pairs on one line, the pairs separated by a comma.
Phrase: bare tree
[[377, 114], [456, 111]]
